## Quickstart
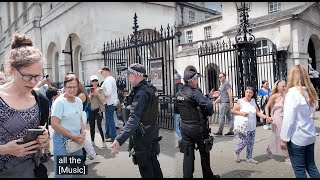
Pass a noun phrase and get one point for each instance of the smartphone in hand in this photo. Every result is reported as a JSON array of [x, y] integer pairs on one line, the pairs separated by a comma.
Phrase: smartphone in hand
[[92, 89], [32, 135]]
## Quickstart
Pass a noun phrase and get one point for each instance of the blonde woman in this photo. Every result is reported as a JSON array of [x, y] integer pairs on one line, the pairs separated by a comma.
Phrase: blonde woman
[[298, 133], [275, 103]]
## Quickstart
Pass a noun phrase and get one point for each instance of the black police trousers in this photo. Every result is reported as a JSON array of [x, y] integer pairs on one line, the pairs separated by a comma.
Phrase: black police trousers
[[146, 150], [195, 134]]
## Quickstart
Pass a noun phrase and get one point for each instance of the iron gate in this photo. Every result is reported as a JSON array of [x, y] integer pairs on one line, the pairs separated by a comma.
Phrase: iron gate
[[155, 50], [224, 57]]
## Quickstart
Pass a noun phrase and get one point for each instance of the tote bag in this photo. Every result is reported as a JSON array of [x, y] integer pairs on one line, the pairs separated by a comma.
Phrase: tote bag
[[240, 124]]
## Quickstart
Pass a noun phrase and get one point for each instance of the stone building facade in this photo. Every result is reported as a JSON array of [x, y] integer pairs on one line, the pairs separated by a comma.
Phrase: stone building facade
[[89, 24], [291, 26]]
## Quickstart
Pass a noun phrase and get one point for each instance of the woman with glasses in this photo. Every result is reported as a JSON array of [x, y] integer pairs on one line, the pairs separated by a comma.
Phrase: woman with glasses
[[275, 103], [247, 107], [20, 112], [66, 120], [298, 133]]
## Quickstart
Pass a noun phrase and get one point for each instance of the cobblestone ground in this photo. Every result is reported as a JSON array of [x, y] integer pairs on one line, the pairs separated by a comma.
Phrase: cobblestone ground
[[121, 164], [222, 161]]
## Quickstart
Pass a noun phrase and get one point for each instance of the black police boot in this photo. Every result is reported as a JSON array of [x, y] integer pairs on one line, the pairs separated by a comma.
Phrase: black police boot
[[219, 133], [230, 133]]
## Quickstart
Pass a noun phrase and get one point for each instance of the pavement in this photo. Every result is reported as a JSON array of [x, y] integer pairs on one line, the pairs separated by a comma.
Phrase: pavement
[[171, 159]]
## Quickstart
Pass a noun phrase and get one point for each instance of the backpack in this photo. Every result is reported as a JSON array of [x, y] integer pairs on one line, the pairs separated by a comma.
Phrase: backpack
[[262, 102], [121, 84]]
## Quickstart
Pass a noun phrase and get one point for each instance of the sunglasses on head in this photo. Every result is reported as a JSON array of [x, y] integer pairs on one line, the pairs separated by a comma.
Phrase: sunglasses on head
[[95, 80]]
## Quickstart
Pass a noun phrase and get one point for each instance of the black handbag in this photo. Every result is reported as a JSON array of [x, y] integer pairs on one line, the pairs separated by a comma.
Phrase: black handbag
[[40, 171]]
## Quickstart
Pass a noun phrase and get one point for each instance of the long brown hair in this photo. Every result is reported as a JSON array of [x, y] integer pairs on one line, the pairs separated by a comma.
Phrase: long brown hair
[[82, 89], [298, 77]]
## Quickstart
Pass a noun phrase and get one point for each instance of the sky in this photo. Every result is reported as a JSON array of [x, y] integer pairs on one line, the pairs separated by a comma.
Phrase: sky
[[213, 5]]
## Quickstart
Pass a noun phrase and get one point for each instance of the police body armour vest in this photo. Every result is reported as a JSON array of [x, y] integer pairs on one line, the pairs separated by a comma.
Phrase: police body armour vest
[[150, 114], [186, 106]]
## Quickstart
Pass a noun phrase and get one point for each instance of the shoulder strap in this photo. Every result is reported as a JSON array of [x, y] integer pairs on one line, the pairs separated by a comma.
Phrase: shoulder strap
[[36, 96], [43, 104]]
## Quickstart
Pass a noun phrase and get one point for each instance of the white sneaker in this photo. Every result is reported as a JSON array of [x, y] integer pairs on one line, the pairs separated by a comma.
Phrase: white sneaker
[[93, 143], [265, 127], [104, 144], [317, 134], [287, 161], [236, 157], [252, 161], [270, 126], [92, 159]]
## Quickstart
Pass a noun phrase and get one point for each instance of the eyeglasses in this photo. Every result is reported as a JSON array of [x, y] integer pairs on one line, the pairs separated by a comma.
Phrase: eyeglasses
[[71, 87], [95, 80], [221, 77], [29, 77]]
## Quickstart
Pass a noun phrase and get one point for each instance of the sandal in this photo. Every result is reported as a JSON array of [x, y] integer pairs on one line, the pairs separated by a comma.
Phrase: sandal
[[269, 154]]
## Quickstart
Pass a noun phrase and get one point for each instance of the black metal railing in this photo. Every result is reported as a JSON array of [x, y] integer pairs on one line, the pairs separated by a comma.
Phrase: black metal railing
[[223, 57], [155, 50]]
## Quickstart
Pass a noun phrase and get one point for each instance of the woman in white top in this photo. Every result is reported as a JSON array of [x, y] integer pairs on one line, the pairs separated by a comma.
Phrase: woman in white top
[[298, 133], [247, 107]]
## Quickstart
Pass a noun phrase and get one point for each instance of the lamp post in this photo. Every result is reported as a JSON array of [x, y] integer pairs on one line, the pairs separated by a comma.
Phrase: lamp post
[[246, 52], [70, 52], [244, 34]]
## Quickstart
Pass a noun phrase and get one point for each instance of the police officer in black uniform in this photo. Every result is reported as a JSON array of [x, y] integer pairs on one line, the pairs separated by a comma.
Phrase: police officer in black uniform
[[141, 127], [194, 109]]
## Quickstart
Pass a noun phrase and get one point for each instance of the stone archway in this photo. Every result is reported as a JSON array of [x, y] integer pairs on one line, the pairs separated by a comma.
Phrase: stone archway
[[77, 63], [211, 77], [75, 43], [55, 71], [52, 62], [314, 51]]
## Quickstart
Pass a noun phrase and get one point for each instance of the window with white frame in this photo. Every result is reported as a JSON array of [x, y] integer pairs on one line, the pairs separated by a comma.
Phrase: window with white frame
[[207, 32], [191, 16], [189, 36], [274, 7], [262, 47]]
